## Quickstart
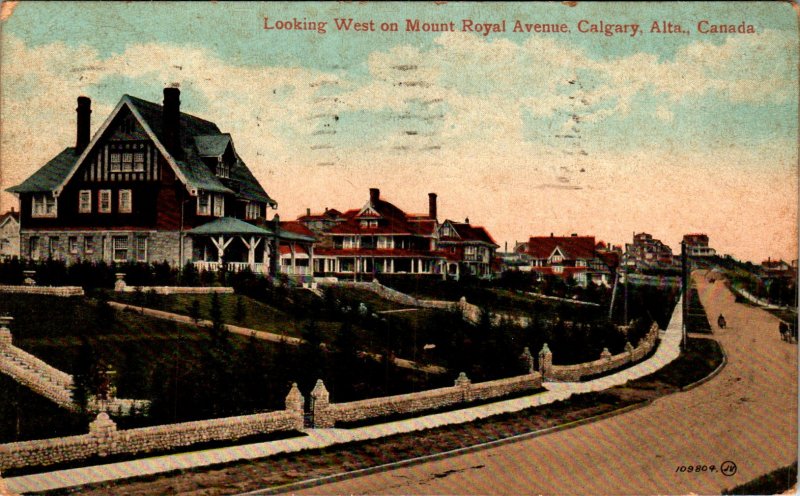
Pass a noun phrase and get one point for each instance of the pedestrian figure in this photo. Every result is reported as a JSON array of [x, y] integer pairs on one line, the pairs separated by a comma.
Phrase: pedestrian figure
[[721, 321], [783, 327]]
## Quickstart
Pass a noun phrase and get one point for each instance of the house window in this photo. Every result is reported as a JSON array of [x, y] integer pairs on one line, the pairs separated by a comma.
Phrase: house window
[[557, 269], [125, 201], [556, 259], [88, 244], [223, 170], [252, 211], [384, 242], [33, 244], [141, 249], [120, 248], [203, 203], [138, 162], [44, 205], [115, 159], [349, 242], [219, 205], [52, 246], [104, 201], [73, 244], [369, 223], [85, 201], [127, 162], [580, 263]]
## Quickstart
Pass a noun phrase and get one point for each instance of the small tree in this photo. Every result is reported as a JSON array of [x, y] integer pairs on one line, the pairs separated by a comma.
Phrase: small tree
[[241, 310], [194, 311]]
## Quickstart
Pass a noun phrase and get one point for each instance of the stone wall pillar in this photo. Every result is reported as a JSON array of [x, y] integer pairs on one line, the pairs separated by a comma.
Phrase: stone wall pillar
[[120, 285], [605, 354], [102, 430], [545, 361], [629, 350], [527, 360], [320, 406], [465, 384], [294, 405], [5, 332]]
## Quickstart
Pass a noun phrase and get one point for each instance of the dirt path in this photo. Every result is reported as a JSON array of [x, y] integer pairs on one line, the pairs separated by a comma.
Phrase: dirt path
[[747, 414]]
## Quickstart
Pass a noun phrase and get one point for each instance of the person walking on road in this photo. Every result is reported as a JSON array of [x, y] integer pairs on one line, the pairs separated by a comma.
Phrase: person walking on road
[[721, 321]]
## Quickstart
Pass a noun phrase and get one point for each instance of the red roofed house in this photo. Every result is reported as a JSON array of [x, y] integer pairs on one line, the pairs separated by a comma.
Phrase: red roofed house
[[473, 247], [568, 256], [153, 184], [380, 238]]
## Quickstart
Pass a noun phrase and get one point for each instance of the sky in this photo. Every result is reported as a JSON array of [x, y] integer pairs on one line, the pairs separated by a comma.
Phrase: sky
[[523, 133]]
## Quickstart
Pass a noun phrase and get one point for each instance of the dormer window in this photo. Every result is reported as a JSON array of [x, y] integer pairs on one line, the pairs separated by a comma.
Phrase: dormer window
[[369, 223], [253, 210], [43, 205], [223, 169]]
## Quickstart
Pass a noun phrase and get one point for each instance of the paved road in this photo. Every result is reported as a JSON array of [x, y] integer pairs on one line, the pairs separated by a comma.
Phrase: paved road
[[747, 414]]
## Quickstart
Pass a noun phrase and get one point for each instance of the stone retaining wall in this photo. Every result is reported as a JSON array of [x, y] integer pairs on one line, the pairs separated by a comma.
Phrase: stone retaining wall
[[104, 439], [605, 363], [327, 414], [43, 290], [169, 290]]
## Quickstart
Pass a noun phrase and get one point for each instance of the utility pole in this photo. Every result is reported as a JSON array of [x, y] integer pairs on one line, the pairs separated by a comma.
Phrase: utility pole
[[684, 289]]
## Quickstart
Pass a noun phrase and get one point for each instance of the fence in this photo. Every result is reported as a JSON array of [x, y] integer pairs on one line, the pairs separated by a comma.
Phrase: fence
[[43, 290], [605, 363], [104, 439], [326, 414]]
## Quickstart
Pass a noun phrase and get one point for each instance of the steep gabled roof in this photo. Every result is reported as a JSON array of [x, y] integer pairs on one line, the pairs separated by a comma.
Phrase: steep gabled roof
[[573, 247], [199, 137], [50, 175], [8, 217], [468, 232]]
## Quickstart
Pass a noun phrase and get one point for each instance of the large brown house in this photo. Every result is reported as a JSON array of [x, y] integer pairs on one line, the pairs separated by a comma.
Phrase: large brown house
[[153, 184]]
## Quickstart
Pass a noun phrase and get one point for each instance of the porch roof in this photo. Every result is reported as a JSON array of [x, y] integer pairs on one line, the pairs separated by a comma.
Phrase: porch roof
[[229, 225]]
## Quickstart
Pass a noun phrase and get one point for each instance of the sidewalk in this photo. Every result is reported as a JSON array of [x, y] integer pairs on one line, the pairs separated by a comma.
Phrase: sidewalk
[[667, 351]]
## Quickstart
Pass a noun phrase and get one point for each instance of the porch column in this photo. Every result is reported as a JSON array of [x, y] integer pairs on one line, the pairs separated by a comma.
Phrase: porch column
[[221, 244], [391, 266], [311, 259], [292, 250]]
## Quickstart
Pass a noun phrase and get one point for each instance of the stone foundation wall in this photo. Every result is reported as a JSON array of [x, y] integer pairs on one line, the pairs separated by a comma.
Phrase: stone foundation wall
[[606, 362], [43, 290], [169, 290], [161, 245], [104, 439], [328, 414]]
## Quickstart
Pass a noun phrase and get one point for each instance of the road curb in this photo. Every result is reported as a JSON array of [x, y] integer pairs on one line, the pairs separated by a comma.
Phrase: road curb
[[319, 481], [713, 373]]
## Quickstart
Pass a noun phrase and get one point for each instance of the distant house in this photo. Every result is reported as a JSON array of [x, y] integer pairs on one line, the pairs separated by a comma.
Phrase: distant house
[[153, 184], [648, 252], [574, 257], [380, 238], [697, 245], [777, 269], [9, 234], [473, 247]]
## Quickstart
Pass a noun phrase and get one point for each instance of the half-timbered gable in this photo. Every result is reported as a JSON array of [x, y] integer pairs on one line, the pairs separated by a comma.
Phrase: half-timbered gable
[[149, 175]]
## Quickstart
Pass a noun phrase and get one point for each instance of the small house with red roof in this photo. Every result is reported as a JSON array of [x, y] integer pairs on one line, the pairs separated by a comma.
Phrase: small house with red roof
[[696, 245], [473, 247], [574, 257]]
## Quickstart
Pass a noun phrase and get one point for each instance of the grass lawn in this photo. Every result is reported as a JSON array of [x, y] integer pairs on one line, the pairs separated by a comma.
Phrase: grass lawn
[[256, 315], [293, 467]]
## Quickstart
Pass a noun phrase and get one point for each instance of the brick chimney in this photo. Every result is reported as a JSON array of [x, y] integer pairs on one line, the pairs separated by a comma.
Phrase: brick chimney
[[374, 195], [432, 205], [171, 121], [84, 111]]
